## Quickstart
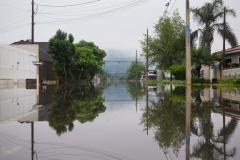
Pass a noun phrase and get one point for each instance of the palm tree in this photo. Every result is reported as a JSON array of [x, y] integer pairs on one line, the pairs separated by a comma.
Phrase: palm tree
[[208, 17]]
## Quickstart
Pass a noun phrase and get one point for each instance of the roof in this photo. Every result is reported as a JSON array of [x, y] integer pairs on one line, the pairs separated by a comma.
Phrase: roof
[[8, 48], [230, 50], [43, 49]]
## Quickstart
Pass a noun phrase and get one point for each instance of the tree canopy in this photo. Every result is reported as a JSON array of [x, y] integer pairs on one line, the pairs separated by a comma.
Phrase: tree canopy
[[62, 50], [208, 16], [134, 70], [75, 61], [168, 45]]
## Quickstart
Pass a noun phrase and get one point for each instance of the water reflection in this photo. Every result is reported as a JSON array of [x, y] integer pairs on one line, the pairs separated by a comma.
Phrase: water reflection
[[173, 117], [164, 126], [83, 103], [166, 116]]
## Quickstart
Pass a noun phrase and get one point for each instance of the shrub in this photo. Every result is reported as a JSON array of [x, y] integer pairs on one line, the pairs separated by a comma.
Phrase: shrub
[[178, 71]]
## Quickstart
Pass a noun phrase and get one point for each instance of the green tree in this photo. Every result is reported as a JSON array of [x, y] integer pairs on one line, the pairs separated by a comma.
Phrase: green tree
[[200, 56], [134, 70], [88, 60], [168, 45], [135, 90], [178, 71], [209, 16], [62, 49]]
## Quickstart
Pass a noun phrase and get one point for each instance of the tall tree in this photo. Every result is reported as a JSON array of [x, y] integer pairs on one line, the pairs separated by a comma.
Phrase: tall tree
[[167, 46], [134, 70], [208, 16], [62, 49], [88, 60]]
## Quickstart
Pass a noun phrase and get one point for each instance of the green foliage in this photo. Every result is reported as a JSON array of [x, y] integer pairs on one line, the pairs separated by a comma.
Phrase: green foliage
[[80, 61], [200, 56], [167, 118], [210, 16], [88, 60], [83, 104], [200, 80], [134, 70], [178, 71], [62, 50], [168, 45], [230, 80], [135, 90]]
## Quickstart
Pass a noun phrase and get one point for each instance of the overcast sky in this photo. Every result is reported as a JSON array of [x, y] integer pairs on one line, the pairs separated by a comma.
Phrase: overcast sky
[[111, 24]]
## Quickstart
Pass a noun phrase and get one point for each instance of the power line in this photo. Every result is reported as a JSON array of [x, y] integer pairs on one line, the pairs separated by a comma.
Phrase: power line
[[14, 22], [15, 28], [20, 9], [68, 5], [77, 15], [132, 4]]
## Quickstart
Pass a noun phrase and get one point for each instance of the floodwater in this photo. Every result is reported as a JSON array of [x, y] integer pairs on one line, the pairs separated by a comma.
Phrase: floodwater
[[119, 121]]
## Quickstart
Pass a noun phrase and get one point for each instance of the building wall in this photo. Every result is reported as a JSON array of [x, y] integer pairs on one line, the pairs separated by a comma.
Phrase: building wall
[[208, 72], [234, 57], [232, 72], [16, 64], [32, 49]]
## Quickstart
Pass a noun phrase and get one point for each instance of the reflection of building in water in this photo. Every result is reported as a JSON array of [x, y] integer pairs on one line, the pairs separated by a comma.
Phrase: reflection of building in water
[[16, 103], [22, 104], [230, 99]]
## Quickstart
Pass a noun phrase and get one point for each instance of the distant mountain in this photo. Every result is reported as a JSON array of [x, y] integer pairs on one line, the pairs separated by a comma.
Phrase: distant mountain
[[113, 54], [117, 62]]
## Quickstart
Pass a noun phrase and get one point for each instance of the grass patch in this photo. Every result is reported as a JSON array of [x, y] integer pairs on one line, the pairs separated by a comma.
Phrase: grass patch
[[233, 83]]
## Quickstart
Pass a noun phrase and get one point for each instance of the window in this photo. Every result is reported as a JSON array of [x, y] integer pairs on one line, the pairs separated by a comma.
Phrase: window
[[228, 60]]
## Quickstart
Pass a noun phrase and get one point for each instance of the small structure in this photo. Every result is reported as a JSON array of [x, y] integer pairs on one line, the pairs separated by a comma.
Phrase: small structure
[[231, 65]]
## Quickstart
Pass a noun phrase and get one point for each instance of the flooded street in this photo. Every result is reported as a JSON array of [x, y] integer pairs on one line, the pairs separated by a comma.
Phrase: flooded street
[[118, 121]]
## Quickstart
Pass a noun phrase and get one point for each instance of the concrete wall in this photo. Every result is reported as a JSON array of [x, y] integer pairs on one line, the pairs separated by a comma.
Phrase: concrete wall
[[234, 57], [231, 72], [232, 95], [17, 64]]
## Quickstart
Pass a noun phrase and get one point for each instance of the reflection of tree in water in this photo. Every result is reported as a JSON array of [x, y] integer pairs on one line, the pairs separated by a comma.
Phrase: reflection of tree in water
[[70, 103], [167, 117], [211, 145], [135, 90]]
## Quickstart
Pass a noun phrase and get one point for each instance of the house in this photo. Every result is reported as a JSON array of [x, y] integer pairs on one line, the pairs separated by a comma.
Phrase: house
[[16, 66], [46, 71], [231, 65]]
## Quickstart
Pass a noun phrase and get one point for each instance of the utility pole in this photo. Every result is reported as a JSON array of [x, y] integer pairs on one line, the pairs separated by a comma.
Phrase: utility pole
[[188, 80], [147, 53], [32, 40], [136, 83], [188, 45], [224, 42], [223, 64], [32, 141]]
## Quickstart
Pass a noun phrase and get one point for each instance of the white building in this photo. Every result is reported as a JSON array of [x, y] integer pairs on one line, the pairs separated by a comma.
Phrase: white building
[[231, 65], [16, 65]]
